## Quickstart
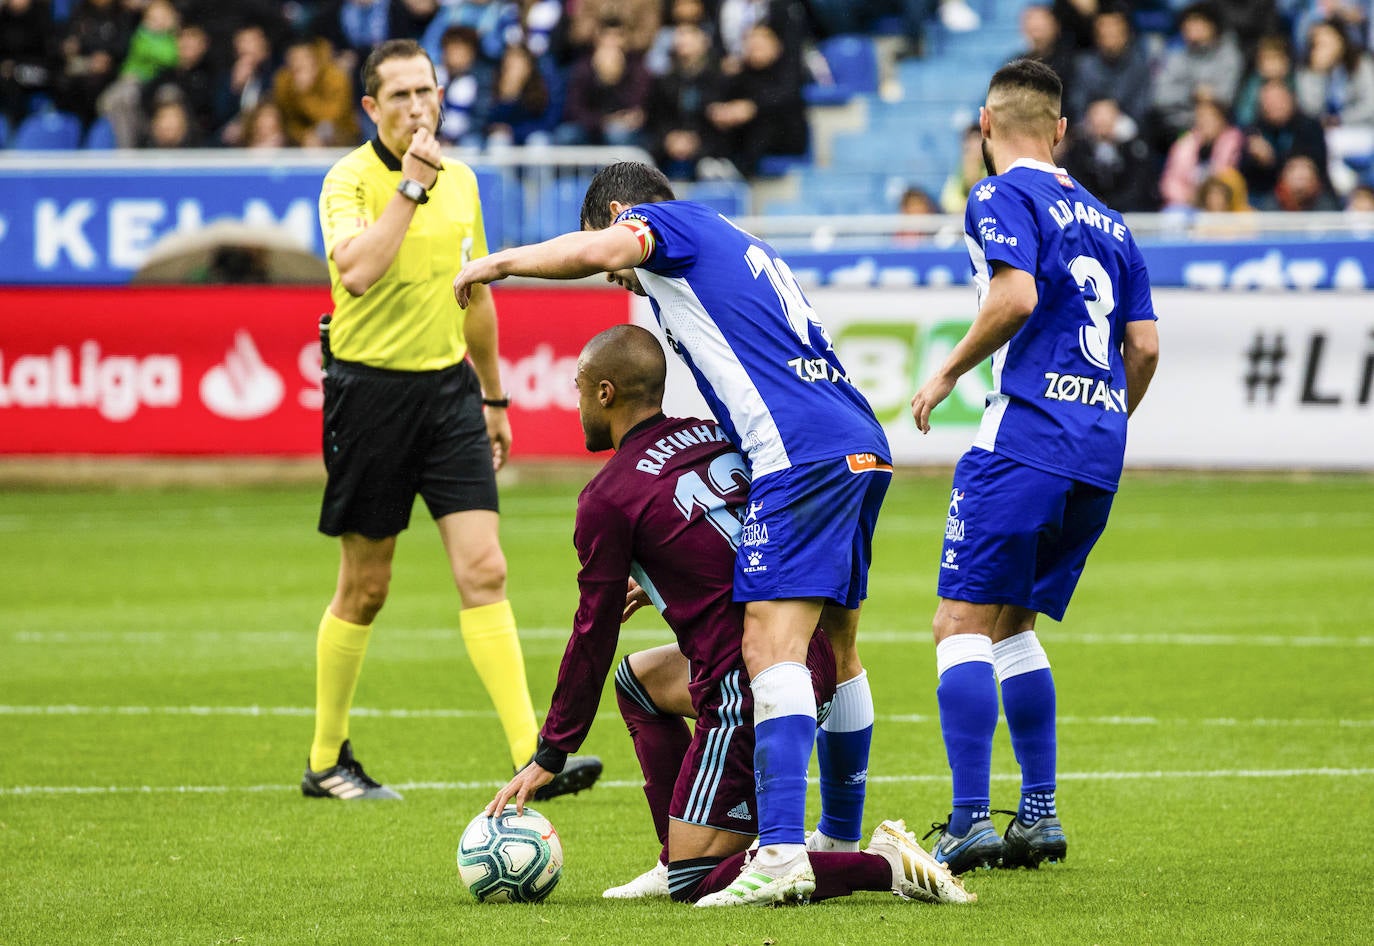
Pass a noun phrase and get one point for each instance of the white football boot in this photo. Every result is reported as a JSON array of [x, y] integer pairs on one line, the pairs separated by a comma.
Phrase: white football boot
[[651, 883], [916, 875]]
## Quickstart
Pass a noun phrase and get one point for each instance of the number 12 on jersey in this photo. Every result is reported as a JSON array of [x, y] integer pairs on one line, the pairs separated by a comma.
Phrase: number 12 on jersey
[[726, 473]]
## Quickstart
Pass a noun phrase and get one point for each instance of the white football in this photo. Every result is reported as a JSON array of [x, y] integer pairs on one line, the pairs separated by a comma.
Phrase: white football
[[509, 857]]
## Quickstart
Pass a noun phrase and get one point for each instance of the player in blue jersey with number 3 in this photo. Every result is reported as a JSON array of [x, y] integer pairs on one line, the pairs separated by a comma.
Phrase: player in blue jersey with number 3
[[1064, 311], [820, 463]]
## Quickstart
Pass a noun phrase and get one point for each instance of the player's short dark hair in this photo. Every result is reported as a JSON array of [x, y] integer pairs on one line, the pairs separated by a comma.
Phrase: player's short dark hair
[[626, 182], [1029, 74], [390, 49]]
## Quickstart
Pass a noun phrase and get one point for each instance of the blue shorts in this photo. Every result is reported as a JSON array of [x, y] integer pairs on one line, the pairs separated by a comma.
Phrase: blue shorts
[[808, 531], [1018, 535]]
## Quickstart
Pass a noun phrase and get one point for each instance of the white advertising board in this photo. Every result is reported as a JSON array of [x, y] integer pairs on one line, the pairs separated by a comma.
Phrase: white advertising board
[[1257, 380]]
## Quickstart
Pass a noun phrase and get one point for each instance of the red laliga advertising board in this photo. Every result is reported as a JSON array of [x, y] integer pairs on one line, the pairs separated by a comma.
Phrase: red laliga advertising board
[[234, 371]]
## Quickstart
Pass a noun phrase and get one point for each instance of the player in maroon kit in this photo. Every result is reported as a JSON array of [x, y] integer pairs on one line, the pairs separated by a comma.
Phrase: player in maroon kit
[[666, 511]]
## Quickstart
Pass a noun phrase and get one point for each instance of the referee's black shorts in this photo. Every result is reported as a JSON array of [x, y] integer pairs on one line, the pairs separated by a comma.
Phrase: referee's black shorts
[[390, 435]]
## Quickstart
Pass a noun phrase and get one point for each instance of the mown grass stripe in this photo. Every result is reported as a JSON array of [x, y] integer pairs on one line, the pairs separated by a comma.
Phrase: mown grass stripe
[[71, 710], [1157, 774], [878, 636]]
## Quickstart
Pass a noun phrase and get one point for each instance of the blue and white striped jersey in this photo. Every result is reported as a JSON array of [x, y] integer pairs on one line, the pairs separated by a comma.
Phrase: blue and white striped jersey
[[733, 311], [1058, 399]]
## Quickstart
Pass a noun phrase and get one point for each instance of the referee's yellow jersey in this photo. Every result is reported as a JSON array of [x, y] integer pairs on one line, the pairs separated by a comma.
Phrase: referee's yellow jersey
[[408, 320]]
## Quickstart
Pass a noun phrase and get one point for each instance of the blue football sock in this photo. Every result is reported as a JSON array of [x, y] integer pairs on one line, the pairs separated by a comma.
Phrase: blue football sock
[[968, 717], [784, 733], [842, 747], [1028, 699], [1036, 805]]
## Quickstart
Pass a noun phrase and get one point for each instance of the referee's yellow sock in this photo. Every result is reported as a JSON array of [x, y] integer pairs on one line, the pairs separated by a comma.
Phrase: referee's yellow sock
[[339, 650], [492, 644]]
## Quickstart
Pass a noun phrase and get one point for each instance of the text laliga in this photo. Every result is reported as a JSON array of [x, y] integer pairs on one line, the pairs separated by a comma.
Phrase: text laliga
[[1089, 391], [1064, 215], [114, 385]]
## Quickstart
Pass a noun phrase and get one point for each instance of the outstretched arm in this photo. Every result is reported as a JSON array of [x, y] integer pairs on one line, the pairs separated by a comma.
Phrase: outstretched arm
[[604, 539], [570, 256], [1011, 298]]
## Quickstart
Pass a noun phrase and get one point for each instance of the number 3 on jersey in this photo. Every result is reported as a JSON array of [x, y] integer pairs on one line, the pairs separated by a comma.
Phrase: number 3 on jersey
[[1099, 296], [727, 473]]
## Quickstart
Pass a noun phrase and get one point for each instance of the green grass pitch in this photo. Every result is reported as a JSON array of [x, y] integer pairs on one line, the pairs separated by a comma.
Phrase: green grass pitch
[[156, 674]]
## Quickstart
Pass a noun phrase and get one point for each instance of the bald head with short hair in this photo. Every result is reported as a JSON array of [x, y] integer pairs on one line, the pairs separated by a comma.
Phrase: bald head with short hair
[[621, 375], [630, 358]]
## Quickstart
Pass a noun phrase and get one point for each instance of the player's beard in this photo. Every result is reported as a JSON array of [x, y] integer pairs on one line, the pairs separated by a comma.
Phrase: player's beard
[[597, 438], [987, 159]]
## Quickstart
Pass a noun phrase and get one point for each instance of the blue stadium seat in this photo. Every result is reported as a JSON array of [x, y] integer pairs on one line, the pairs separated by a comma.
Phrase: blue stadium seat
[[557, 210], [776, 165], [853, 62], [48, 131], [100, 136], [727, 197]]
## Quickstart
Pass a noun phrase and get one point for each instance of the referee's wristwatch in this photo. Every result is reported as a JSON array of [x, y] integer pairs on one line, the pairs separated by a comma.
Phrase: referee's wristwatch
[[503, 401], [412, 189]]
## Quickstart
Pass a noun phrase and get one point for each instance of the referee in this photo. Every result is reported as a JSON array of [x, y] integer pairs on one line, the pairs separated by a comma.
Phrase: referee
[[413, 405]]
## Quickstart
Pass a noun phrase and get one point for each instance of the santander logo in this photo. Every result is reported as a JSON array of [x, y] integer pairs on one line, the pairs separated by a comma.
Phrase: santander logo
[[243, 386]]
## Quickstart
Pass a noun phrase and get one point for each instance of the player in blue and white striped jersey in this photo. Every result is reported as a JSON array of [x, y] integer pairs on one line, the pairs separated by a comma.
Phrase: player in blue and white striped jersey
[[1066, 316], [730, 307]]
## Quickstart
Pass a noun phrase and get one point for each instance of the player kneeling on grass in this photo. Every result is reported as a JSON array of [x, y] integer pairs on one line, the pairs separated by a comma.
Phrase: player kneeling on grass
[[666, 511]]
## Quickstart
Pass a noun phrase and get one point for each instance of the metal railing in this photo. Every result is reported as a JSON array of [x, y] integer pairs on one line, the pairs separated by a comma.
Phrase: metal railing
[[541, 190], [825, 232]]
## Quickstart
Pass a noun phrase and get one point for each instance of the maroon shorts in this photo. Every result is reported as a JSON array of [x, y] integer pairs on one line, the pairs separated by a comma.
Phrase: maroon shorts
[[715, 786]]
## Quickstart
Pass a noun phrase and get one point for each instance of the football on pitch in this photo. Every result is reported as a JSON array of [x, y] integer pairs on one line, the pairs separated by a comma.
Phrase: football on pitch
[[509, 857]]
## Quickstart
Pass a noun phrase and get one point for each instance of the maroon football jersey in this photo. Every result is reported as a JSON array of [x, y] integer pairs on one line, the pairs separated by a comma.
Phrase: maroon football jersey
[[666, 508]]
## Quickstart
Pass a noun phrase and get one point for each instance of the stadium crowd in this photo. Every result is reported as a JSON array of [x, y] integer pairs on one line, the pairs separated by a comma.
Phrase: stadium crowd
[[1225, 104], [1245, 104]]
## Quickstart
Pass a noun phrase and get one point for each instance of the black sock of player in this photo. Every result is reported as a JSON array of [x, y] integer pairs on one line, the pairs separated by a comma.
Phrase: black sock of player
[[689, 881], [660, 742]]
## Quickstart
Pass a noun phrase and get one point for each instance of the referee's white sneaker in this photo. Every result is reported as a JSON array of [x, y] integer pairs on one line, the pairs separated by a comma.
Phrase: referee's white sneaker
[[651, 883], [916, 875]]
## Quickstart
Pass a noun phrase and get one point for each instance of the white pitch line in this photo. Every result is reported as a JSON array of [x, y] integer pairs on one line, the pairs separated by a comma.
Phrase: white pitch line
[[51, 790], [295, 711], [879, 636], [69, 709]]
